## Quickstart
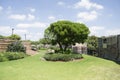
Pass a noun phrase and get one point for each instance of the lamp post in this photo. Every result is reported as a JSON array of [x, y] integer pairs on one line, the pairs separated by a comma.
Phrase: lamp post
[[25, 36], [12, 31]]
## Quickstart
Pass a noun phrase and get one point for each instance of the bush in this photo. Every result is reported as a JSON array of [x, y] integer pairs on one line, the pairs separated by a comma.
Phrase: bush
[[5, 56], [62, 57], [16, 47], [15, 55]]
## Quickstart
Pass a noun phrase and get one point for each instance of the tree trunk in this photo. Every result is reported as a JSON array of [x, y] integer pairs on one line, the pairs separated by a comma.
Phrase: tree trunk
[[60, 45], [65, 48]]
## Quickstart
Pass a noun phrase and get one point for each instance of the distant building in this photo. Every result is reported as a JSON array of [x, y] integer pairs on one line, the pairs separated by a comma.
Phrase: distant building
[[80, 48]]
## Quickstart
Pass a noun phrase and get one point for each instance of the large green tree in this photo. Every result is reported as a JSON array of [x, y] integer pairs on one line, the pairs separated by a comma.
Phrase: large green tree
[[66, 33]]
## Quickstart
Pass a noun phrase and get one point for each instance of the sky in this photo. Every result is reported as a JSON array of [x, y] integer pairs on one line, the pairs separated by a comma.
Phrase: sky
[[32, 17]]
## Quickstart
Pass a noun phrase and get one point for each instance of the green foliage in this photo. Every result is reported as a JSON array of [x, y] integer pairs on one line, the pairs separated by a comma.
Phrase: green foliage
[[62, 57], [35, 42], [92, 42], [44, 41], [5, 56], [15, 55], [66, 33], [2, 37], [14, 37], [16, 47]]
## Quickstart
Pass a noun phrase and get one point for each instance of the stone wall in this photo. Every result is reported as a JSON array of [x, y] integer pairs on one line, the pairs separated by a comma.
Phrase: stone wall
[[4, 43], [27, 44], [109, 47]]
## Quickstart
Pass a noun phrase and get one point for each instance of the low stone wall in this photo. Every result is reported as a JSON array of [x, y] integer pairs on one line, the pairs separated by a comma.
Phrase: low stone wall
[[4, 43]]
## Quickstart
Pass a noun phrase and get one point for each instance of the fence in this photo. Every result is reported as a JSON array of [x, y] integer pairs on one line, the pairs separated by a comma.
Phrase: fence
[[109, 47]]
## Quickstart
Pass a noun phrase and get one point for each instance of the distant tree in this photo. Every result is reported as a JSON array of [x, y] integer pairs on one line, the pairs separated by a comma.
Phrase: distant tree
[[44, 41], [35, 42], [92, 43], [2, 37], [14, 37], [66, 33]]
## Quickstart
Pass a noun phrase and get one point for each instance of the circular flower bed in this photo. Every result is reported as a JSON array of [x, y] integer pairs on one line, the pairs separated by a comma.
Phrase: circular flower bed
[[62, 57]]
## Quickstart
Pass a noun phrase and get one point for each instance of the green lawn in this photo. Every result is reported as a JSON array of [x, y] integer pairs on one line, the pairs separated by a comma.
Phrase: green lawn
[[31, 68]]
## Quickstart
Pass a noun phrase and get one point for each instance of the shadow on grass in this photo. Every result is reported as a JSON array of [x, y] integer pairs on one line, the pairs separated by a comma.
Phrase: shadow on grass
[[118, 62]]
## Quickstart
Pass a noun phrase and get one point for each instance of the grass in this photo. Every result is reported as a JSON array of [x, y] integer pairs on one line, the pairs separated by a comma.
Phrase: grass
[[32, 68]]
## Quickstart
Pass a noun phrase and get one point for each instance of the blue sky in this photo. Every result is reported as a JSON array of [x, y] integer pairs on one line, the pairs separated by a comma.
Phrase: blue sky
[[32, 17]]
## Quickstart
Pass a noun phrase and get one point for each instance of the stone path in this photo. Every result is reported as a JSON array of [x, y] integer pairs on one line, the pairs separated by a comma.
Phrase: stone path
[[31, 52]]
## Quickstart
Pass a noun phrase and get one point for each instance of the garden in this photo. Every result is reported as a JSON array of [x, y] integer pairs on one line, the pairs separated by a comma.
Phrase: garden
[[55, 59]]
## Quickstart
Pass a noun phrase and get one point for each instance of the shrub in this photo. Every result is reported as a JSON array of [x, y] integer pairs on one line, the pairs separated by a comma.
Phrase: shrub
[[62, 57], [5, 56], [16, 47], [15, 55]]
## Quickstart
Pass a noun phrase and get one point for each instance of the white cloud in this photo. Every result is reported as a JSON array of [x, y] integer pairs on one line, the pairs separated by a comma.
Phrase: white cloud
[[1, 8], [34, 36], [87, 16], [18, 16], [22, 17], [112, 31], [88, 5], [97, 30], [51, 18], [32, 25], [5, 30], [32, 10], [20, 31], [31, 17], [61, 3], [9, 10], [102, 31]]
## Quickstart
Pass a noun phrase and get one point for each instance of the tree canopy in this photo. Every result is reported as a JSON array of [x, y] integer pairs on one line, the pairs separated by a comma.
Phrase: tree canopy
[[92, 42], [66, 33]]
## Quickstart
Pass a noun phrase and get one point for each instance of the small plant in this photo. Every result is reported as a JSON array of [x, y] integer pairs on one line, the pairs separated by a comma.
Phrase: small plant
[[16, 47]]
